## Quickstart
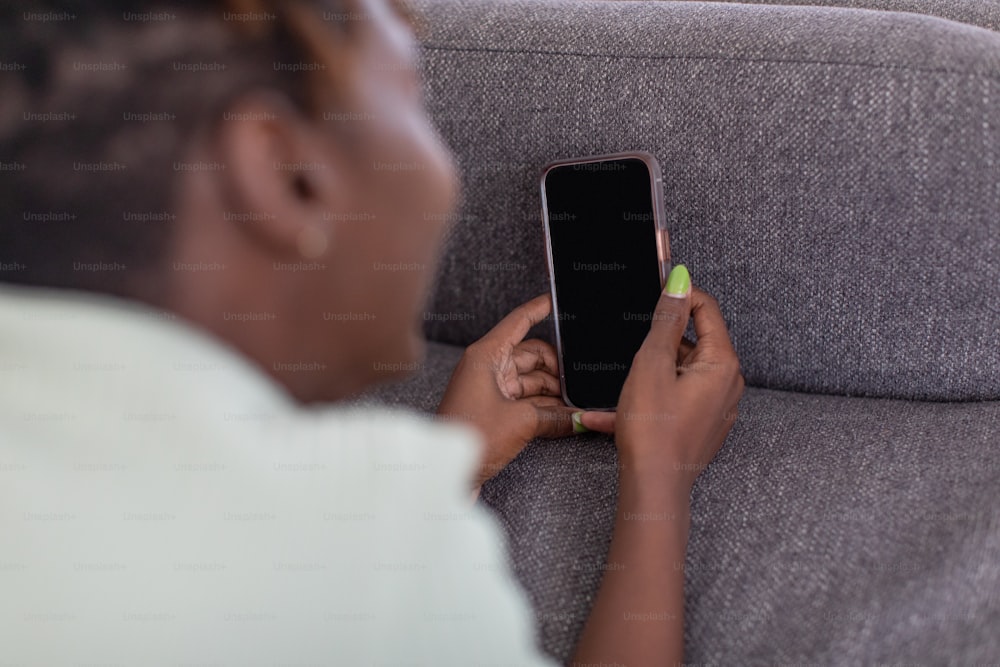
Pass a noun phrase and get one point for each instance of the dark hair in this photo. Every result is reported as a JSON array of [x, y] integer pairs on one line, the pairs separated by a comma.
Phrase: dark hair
[[98, 99]]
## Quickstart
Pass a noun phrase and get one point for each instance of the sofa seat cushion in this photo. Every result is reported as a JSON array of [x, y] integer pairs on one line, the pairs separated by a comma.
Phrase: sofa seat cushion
[[829, 529]]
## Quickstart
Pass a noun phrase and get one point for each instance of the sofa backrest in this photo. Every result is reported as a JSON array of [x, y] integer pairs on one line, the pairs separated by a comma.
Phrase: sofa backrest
[[982, 13], [831, 175]]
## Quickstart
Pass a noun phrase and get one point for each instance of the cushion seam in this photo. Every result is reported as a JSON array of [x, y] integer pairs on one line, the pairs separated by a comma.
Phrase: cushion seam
[[791, 61]]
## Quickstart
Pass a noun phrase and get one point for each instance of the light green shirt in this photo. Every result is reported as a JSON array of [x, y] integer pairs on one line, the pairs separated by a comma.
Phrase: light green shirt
[[164, 502]]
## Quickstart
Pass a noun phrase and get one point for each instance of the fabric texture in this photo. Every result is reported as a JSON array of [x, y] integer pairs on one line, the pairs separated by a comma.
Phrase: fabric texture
[[831, 176], [982, 13], [177, 508], [829, 530]]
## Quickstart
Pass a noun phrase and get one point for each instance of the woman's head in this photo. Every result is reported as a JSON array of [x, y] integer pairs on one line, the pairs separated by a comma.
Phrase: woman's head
[[266, 169]]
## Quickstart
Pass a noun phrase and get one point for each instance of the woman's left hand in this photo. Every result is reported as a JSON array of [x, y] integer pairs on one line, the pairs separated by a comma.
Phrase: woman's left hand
[[508, 389]]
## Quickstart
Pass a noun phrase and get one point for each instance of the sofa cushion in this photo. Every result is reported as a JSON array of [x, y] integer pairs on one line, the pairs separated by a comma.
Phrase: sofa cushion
[[828, 530], [982, 13], [831, 175]]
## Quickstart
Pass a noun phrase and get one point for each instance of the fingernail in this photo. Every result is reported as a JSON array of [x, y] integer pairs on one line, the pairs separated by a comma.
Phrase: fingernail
[[678, 282], [578, 426]]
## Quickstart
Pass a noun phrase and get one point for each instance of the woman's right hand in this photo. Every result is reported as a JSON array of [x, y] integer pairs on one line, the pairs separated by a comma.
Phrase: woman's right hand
[[675, 410], [680, 399]]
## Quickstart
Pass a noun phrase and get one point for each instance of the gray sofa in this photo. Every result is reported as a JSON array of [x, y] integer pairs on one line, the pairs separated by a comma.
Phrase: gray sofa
[[832, 176]]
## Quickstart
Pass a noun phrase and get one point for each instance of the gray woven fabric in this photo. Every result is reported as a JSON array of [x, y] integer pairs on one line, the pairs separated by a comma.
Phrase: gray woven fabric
[[982, 13], [831, 175], [829, 530]]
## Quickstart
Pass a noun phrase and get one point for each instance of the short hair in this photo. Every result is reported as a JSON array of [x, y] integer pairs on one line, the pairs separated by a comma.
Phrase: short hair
[[99, 98]]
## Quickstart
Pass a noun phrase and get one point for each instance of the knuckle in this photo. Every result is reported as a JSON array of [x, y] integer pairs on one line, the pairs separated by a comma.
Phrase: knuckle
[[635, 370], [667, 316], [644, 352], [655, 364], [649, 352], [729, 368]]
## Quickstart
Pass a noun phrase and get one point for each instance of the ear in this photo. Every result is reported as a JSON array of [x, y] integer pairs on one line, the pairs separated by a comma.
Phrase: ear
[[282, 175]]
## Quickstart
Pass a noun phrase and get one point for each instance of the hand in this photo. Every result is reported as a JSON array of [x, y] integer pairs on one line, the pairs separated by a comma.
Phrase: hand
[[679, 401], [675, 410], [508, 389]]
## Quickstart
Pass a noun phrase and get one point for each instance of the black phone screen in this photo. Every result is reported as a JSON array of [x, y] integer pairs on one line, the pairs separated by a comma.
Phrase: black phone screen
[[606, 272]]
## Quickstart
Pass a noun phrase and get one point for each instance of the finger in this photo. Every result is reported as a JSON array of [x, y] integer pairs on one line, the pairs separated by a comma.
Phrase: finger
[[708, 322], [602, 422], [514, 327], [555, 420], [535, 383], [670, 319], [546, 401], [535, 354]]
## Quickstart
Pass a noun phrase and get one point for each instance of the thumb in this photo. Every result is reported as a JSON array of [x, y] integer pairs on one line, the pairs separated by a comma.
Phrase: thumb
[[600, 421], [554, 421], [558, 421], [672, 313]]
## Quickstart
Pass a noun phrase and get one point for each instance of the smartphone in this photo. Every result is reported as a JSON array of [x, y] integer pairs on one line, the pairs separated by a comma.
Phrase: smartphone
[[608, 257]]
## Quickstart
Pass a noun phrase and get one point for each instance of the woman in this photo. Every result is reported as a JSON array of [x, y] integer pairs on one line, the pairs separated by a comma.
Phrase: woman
[[216, 213]]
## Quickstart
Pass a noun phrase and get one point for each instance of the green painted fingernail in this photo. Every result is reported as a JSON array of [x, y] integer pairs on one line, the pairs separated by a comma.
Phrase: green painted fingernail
[[578, 426], [678, 282]]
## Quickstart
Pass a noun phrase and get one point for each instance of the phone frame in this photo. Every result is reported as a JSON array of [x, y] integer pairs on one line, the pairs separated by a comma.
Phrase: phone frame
[[659, 223]]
